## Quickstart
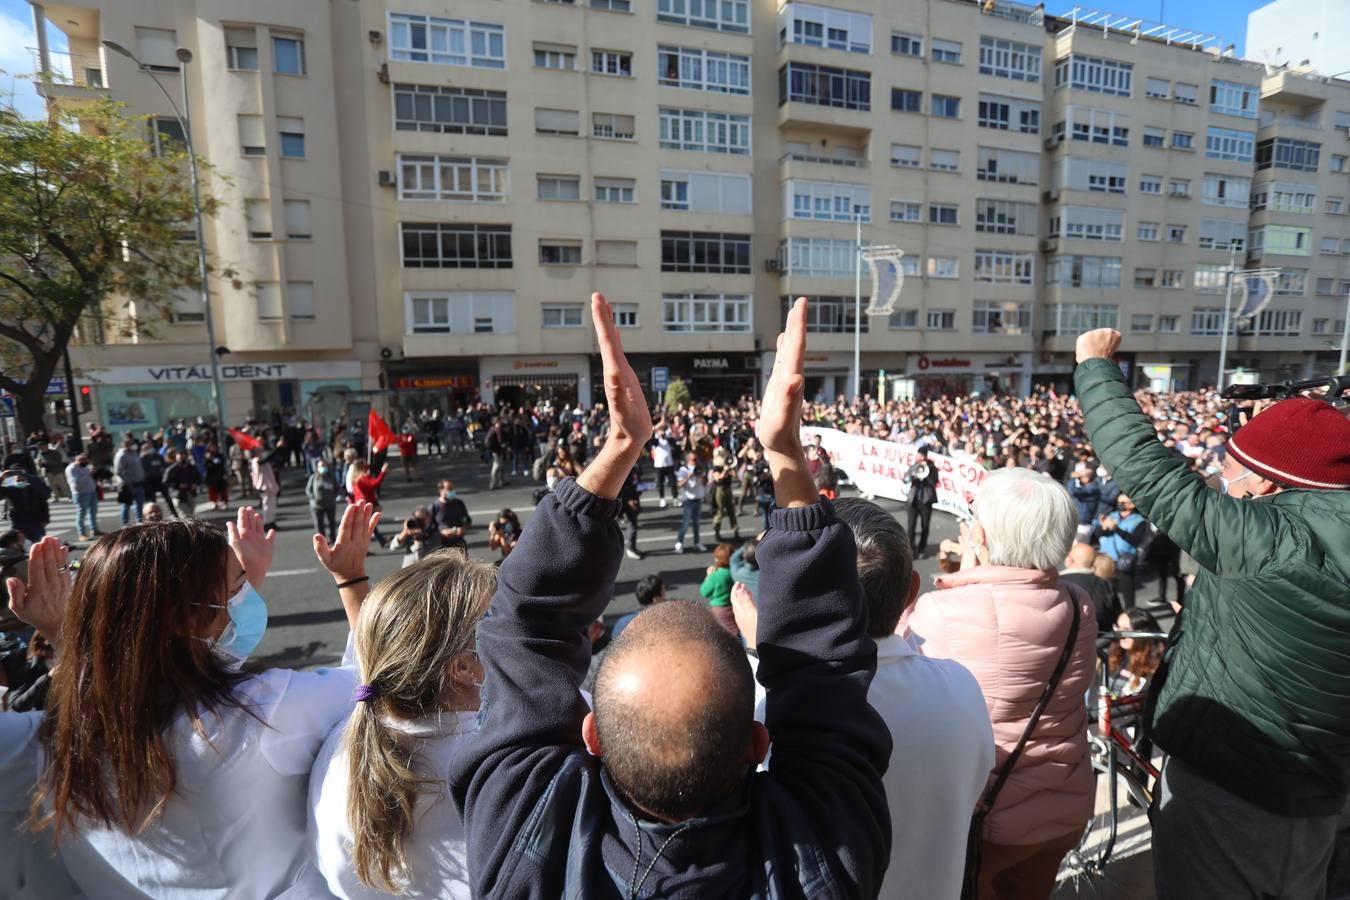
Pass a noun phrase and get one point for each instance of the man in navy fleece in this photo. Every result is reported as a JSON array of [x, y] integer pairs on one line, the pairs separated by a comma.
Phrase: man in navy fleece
[[667, 802]]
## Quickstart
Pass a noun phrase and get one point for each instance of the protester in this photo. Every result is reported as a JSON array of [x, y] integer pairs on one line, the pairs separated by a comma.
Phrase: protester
[[650, 589], [1122, 535], [26, 495], [54, 468], [1252, 702], [630, 508], [504, 533], [1087, 497], [181, 479], [450, 516], [322, 492], [922, 480], [1133, 662], [692, 484], [265, 484], [716, 588], [366, 487], [215, 473], [1078, 569], [663, 462], [723, 483], [130, 480], [153, 465], [407, 451], [84, 491]]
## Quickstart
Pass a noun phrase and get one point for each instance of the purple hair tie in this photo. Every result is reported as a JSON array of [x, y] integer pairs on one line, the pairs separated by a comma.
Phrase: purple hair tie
[[364, 692]]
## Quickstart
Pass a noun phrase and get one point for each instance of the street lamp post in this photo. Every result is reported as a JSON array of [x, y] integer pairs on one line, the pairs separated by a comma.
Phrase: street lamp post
[[1345, 334], [857, 306], [1227, 313], [184, 122]]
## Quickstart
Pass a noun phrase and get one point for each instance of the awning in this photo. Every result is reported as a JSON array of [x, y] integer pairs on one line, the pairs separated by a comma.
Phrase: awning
[[534, 381]]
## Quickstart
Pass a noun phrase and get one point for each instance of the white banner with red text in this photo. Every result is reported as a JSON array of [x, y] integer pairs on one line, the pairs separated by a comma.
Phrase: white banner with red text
[[878, 468]]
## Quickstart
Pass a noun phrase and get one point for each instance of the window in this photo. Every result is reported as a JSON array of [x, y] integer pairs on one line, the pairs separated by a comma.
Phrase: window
[[820, 26], [719, 193], [1211, 278], [1227, 190], [1147, 231], [447, 42], [461, 312], [613, 126], [1176, 234], [1280, 323], [707, 132], [1326, 287], [300, 299], [943, 267], [466, 179], [613, 5], [1006, 166], [1145, 278], [555, 56], [947, 51], [444, 245], [903, 100], [720, 15], [1096, 126], [1155, 137], [612, 62], [559, 253], [903, 319], [941, 320], [1219, 234], [713, 252], [1337, 162], [1169, 324], [705, 313], [829, 201], [1093, 73], [1291, 283], [830, 315], [1287, 153], [561, 315], [291, 130], [559, 187], [903, 44], [817, 257], [1233, 99], [1005, 217], [1183, 140], [557, 121], [1157, 88], [167, 137], [824, 86], [703, 70], [1225, 143], [1085, 174], [905, 211], [944, 160], [258, 214], [1081, 271], [1141, 323], [1282, 239], [297, 220], [1173, 279], [906, 156], [251, 140], [288, 54], [1088, 223], [1329, 246], [269, 301], [1285, 196], [241, 48], [1010, 59], [1150, 184], [616, 253], [157, 48], [1180, 188], [1000, 318], [1009, 114], [942, 213], [1335, 206], [186, 309], [625, 315], [945, 107], [449, 110], [615, 190], [1075, 318], [1185, 93], [1004, 267]]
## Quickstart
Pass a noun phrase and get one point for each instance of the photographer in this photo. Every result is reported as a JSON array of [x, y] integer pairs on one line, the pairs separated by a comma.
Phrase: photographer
[[417, 539], [504, 532], [692, 484], [764, 498]]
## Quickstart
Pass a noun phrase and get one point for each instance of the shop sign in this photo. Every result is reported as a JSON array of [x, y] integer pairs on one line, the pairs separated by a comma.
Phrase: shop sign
[[944, 362], [534, 364], [716, 363], [228, 372], [433, 382]]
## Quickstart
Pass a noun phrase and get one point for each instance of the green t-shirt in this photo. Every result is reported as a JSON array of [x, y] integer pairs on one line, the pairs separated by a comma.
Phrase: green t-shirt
[[717, 587]]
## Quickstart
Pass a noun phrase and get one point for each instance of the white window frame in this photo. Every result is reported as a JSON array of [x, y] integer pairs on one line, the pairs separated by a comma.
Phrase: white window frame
[[562, 244], [1010, 59], [241, 38], [718, 15], [1094, 126], [557, 57], [277, 37], [706, 313], [1236, 190], [626, 315], [905, 44], [1080, 270], [1096, 74], [697, 69], [827, 201], [430, 171], [817, 257], [1233, 99], [905, 161], [557, 188], [703, 131], [447, 42], [1076, 318], [298, 219], [1230, 144], [423, 98], [614, 63], [826, 27], [1007, 267], [906, 211], [1005, 166], [997, 216], [1217, 234], [1089, 223], [614, 190], [1012, 318], [613, 126], [731, 191], [564, 315]]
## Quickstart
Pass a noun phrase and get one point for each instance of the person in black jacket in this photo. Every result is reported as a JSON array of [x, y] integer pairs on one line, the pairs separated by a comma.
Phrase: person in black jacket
[[922, 478], [629, 510], [656, 793]]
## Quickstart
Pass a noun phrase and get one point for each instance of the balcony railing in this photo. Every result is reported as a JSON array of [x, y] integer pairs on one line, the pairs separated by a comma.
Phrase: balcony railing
[[828, 160], [1013, 12], [1273, 118], [80, 69]]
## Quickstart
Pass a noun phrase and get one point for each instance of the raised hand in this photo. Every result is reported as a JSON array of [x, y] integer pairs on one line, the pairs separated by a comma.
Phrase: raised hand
[[780, 420], [252, 544], [41, 602], [1100, 342], [346, 559], [630, 419]]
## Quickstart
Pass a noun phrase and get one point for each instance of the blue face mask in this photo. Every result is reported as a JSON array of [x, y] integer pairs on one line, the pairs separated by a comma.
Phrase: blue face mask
[[248, 622], [450, 495]]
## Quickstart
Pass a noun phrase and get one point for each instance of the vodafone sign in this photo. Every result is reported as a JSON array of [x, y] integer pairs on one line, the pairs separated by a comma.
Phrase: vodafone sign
[[943, 364]]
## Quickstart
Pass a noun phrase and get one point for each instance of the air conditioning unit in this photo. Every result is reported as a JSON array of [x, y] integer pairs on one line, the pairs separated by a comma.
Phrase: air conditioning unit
[[1049, 245], [1051, 196], [383, 73], [389, 353], [772, 265], [1052, 142], [387, 178], [375, 37]]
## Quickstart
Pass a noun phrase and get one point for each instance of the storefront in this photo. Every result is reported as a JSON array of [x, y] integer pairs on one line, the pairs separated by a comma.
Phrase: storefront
[[447, 389], [962, 374], [532, 380], [710, 376]]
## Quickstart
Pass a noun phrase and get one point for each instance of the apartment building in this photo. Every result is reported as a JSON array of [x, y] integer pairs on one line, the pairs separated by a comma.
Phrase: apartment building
[[476, 173]]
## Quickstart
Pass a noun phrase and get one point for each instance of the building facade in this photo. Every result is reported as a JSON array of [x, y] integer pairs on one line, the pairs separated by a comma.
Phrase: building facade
[[1303, 34]]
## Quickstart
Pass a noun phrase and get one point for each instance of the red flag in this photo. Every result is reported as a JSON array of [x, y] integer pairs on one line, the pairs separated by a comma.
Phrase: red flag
[[381, 436], [245, 441]]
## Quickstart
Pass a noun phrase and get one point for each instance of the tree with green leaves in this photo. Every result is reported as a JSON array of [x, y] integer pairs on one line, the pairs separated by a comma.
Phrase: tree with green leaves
[[91, 218], [678, 395]]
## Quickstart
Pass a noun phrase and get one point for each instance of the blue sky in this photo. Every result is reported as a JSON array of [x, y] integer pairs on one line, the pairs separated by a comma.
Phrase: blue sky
[[1224, 18]]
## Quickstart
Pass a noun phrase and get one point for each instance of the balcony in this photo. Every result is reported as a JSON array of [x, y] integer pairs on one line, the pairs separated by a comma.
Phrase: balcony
[[69, 74], [1300, 88], [1271, 119]]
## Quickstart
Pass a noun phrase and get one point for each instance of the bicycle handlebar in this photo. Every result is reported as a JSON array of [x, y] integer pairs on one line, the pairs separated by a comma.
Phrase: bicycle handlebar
[[1135, 635]]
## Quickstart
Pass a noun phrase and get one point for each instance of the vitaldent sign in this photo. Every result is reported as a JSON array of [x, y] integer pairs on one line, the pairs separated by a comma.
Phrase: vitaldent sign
[[327, 371]]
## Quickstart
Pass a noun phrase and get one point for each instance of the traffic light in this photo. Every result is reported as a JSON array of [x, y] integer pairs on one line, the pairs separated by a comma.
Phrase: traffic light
[[85, 392]]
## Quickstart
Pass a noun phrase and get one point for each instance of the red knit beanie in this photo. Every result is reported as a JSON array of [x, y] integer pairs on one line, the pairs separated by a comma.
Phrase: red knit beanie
[[1299, 442]]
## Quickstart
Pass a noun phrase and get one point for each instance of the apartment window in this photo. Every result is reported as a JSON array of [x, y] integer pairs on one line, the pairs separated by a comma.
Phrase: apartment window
[[1326, 287], [1329, 246], [1006, 166], [703, 131], [300, 299], [1169, 324], [1321, 326], [241, 48], [817, 257], [903, 319], [1282, 239], [1076, 318], [466, 179], [942, 214], [703, 70], [1088, 223], [945, 107], [1141, 323], [1233, 99], [1150, 184], [712, 252], [1337, 162], [820, 26], [1219, 234], [447, 42], [449, 110], [905, 211], [1005, 217], [1096, 126], [1009, 114], [1285, 196], [1280, 323], [258, 214], [903, 44], [442, 245], [1225, 143], [1004, 267], [555, 56], [1157, 88], [906, 156], [1227, 190], [828, 201], [1335, 206], [167, 137], [1183, 140], [1291, 283], [612, 62], [291, 130], [944, 160], [1082, 271], [613, 5], [297, 220], [557, 121], [903, 100], [461, 312], [706, 313], [830, 315], [561, 315], [288, 54], [1185, 93], [824, 86], [615, 190], [625, 315], [718, 193], [1176, 234], [1211, 278], [1147, 231], [1000, 318], [719, 15], [941, 320], [947, 51], [1287, 153], [157, 48], [251, 136], [186, 310], [1010, 59], [559, 253], [269, 301], [1095, 74], [1145, 278], [559, 187], [613, 126], [616, 253], [1173, 279], [943, 267], [1155, 137], [1179, 188]]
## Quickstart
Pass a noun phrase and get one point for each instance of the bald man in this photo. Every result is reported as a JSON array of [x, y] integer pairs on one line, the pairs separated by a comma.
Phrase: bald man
[[1078, 570], [655, 793]]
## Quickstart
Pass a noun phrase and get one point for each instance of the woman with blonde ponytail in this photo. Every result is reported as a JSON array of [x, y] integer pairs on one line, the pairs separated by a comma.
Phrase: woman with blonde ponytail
[[381, 818]]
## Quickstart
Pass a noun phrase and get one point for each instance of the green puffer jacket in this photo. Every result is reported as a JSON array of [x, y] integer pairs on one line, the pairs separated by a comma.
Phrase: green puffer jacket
[[1257, 693]]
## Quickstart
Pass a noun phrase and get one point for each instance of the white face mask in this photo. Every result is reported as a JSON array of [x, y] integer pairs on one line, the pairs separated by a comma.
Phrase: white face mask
[[1225, 483]]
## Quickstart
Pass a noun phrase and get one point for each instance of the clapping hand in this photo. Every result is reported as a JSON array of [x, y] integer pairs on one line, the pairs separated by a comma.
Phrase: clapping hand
[[345, 560], [780, 421], [252, 546], [630, 421], [41, 602]]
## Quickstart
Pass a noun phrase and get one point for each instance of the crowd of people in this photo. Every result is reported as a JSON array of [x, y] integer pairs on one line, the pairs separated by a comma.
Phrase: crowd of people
[[820, 723]]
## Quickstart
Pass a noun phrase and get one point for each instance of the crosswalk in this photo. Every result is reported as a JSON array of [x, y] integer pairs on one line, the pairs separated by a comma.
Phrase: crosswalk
[[108, 517]]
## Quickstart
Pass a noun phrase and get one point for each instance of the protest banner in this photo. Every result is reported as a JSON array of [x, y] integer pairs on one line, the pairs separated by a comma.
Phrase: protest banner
[[878, 468]]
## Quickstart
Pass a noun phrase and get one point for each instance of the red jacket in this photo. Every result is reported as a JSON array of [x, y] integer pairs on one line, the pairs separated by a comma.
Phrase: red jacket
[[367, 488]]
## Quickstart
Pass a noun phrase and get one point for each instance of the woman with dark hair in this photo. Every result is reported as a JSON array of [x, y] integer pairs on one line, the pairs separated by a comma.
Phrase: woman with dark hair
[[1134, 661], [166, 769]]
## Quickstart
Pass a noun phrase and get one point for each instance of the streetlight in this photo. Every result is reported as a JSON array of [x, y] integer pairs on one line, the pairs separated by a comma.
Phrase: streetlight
[[185, 56], [1345, 333]]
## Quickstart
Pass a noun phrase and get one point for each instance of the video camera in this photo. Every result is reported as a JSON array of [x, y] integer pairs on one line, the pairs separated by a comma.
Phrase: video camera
[[1335, 389]]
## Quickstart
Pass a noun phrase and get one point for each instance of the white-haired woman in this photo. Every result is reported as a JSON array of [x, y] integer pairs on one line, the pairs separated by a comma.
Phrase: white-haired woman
[[1006, 617]]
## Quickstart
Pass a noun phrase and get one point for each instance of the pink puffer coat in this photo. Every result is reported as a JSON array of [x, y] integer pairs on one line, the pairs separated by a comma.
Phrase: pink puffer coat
[[1008, 627]]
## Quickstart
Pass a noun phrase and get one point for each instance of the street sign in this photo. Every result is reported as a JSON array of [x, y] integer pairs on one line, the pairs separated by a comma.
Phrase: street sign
[[660, 379], [6, 407]]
